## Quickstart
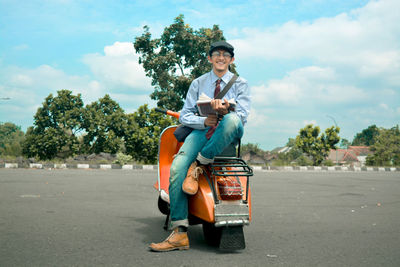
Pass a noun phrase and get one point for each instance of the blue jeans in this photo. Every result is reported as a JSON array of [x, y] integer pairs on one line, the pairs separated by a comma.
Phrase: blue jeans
[[229, 129]]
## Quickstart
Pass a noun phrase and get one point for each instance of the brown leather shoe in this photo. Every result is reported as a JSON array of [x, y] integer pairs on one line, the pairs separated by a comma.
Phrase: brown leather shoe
[[191, 183], [175, 240]]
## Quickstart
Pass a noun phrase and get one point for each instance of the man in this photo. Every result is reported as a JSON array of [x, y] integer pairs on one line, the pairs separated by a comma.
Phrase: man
[[211, 135]]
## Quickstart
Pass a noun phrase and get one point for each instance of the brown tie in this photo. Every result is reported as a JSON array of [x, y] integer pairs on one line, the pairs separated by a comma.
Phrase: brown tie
[[217, 87], [216, 92]]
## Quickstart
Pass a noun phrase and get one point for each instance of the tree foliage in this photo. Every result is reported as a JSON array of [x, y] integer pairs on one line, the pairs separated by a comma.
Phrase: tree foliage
[[252, 148], [366, 137], [63, 127], [294, 154], [344, 143], [175, 59], [11, 138], [55, 129], [104, 122], [143, 132], [142, 136], [386, 148], [317, 146]]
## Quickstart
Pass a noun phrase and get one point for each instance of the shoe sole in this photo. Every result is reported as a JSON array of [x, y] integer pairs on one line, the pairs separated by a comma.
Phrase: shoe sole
[[171, 249], [189, 193]]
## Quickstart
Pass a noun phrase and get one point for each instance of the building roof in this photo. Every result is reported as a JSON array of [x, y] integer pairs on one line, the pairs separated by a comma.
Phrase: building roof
[[251, 157], [283, 149], [351, 154], [341, 155], [361, 150]]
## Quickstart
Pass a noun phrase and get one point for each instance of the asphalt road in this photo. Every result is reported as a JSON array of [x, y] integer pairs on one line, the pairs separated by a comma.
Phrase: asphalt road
[[108, 218]]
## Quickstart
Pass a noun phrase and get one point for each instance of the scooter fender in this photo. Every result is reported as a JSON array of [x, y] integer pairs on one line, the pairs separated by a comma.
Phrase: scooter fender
[[201, 204]]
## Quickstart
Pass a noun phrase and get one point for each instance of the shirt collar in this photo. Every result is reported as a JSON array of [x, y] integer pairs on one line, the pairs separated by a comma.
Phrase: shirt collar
[[226, 78]]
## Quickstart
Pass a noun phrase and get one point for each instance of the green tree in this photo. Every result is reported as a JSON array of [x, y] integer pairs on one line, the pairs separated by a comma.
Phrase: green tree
[[344, 143], [104, 122], [175, 59], [386, 148], [317, 146], [293, 155], [142, 133], [56, 125], [11, 138], [366, 137], [291, 142], [252, 148]]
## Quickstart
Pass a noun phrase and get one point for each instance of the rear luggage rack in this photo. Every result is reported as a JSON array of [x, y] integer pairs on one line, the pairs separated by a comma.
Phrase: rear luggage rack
[[218, 168], [231, 166]]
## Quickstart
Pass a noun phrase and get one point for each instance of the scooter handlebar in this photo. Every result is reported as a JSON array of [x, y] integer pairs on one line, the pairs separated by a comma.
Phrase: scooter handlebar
[[168, 112]]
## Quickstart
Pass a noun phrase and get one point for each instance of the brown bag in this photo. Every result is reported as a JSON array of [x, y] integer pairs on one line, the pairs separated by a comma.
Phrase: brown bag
[[229, 187]]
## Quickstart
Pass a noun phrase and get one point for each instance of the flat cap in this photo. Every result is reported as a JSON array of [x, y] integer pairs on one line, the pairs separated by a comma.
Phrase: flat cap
[[221, 45]]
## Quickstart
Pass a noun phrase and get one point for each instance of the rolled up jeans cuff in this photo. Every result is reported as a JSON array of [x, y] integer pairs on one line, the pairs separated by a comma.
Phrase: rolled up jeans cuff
[[203, 160], [175, 224]]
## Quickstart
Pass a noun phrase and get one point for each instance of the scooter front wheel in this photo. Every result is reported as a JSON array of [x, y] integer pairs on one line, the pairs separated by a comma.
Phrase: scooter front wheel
[[163, 206]]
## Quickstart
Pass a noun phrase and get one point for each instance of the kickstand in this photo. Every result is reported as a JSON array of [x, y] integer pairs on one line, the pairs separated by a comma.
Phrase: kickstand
[[166, 223]]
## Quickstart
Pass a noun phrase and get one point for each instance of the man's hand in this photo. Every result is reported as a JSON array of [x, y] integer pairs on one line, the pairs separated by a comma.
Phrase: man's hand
[[211, 120], [219, 106]]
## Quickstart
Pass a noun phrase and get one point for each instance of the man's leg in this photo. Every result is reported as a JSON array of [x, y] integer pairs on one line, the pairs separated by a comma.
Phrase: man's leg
[[229, 129], [179, 168], [178, 199]]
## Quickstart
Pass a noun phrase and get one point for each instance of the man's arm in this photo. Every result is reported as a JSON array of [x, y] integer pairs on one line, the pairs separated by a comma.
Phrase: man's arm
[[243, 100], [187, 115]]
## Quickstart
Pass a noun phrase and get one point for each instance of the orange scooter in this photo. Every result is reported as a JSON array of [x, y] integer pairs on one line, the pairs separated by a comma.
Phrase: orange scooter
[[223, 202]]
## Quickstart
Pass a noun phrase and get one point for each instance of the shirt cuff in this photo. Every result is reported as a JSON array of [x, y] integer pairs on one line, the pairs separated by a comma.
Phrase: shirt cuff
[[203, 119]]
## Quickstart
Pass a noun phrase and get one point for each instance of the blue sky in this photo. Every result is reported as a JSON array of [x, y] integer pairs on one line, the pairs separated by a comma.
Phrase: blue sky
[[306, 62]]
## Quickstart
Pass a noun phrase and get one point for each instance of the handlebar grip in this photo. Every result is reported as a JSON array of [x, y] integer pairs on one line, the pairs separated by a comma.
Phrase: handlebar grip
[[168, 112], [161, 110]]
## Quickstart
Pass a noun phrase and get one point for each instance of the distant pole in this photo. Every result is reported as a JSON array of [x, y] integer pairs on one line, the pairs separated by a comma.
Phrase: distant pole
[[336, 127]]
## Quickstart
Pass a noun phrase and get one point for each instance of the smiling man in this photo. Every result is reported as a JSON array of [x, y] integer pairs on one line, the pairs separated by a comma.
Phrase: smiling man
[[211, 135]]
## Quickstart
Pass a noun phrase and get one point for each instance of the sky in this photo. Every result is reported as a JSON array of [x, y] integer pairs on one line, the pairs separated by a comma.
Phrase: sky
[[328, 63]]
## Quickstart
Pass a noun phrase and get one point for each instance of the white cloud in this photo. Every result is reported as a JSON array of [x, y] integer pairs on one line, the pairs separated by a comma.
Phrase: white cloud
[[384, 106], [117, 73], [328, 38], [313, 122], [119, 69], [364, 42], [21, 80], [21, 47], [27, 88], [119, 49], [347, 66], [309, 85], [256, 119]]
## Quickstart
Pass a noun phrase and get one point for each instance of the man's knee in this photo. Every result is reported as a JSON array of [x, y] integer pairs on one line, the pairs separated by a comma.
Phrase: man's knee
[[233, 118], [232, 121], [177, 166]]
